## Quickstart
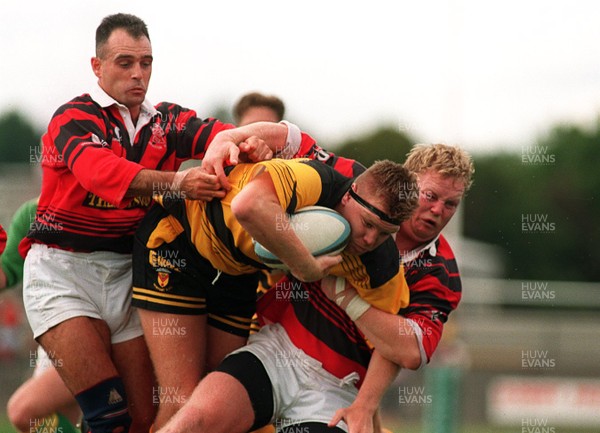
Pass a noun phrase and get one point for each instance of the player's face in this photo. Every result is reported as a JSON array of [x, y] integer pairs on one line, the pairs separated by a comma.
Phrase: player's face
[[368, 231], [439, 197], [124, 69]]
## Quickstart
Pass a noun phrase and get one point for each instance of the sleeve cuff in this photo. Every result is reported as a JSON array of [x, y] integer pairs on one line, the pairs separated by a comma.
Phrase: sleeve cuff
[[292, 141], [419, 334]]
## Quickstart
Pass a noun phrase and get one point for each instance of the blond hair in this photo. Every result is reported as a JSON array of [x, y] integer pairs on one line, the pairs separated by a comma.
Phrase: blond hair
[[450, 161]]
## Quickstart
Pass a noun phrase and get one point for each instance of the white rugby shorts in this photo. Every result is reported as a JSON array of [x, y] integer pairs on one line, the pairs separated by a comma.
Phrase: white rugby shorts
[[302, 390], [59, 285]]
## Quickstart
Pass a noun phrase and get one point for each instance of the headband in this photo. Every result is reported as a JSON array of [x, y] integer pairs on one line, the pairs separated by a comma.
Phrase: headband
[[382, 215]]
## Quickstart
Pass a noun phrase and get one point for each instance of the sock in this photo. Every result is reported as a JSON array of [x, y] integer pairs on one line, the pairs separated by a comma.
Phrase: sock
[[104, 407]]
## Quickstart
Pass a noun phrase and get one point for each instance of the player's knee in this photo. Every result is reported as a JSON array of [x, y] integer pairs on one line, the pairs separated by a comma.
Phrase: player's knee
[[19, 412], [104, 407]]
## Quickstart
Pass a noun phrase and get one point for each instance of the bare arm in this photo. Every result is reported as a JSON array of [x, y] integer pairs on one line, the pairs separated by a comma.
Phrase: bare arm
[[258, 210], [360, 414], [193, 183], [257, 141], [254, 142], [392, 335]]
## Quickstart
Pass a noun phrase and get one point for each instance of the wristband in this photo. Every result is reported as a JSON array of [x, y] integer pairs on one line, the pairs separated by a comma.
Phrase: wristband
[[292, 141], [349, 300]]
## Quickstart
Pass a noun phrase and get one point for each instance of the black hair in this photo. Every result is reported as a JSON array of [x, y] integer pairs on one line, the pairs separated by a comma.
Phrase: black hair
[[130, 23]]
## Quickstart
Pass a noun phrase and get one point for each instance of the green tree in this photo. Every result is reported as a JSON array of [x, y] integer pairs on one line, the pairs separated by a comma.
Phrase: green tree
[[385, 142], [18, 138], [541, 206]]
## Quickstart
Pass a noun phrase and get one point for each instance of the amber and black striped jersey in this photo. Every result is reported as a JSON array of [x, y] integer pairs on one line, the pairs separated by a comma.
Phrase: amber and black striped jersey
[[435, 291], [89, 158], [218, 236], [308, 148]]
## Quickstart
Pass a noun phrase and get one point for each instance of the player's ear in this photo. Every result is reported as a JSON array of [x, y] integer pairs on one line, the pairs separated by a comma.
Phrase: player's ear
[[345, 199], [96, 64], [346, 196]]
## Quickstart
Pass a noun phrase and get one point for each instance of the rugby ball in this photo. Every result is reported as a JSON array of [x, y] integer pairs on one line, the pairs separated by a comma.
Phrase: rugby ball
[[323, 231]]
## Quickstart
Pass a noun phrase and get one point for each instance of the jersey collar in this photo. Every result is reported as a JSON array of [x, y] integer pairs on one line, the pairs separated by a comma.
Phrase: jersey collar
[[413, 254], [105, 100]]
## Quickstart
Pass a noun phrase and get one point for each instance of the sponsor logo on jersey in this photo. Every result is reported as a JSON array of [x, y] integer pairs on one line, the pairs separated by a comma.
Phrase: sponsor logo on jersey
[[92, 200]]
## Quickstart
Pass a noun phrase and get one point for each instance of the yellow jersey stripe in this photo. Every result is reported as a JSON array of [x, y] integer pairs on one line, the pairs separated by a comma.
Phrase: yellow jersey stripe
[[191, 306], [166, 295]]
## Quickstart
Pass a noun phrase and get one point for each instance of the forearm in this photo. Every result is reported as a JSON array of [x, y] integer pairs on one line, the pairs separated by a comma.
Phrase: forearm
[[150, 182], [258, 210], [380, 374], [392, 336], [268, 224], [274, 135]]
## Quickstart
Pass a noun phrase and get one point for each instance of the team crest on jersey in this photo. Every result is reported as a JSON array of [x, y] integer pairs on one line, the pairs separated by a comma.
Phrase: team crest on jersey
[[95, 139], [117, 132], [162, 280], [158, 135]]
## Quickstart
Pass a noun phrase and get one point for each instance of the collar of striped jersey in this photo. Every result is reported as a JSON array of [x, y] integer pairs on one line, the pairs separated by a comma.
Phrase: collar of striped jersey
[[381, 214], [105, 100]]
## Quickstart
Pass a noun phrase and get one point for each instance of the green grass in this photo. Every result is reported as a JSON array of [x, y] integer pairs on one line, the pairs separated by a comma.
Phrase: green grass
[[5, 425], [479, 428]]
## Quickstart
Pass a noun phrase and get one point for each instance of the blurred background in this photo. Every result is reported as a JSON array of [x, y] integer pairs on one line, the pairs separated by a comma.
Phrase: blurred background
[[517, 84]]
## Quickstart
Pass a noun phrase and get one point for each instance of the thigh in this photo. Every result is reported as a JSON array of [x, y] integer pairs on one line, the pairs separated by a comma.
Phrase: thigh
[[248, 374], [177, 347], [220, 404], [80, 351], [220, 344]]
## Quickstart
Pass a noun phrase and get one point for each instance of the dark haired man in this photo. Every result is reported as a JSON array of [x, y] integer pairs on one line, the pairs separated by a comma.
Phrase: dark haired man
[[104, 155], [254, 106]]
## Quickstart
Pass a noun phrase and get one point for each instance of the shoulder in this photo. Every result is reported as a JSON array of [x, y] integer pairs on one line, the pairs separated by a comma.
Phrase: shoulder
[[383, 263], [83, 104], [325, 171], [172, 108], [439, 264], [444, 249]]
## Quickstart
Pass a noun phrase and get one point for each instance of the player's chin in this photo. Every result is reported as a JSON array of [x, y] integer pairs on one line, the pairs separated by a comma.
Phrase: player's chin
[[355, 249]]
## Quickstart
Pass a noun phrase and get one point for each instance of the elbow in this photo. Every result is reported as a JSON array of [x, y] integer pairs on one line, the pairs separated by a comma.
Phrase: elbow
[[408, 358], [241, 207], [411, 361]]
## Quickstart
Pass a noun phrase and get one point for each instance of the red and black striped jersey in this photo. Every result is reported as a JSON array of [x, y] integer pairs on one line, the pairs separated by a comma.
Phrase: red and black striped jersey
[[435, 291], [89, 158], [323, 330], [317, 326], [310, 149]]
